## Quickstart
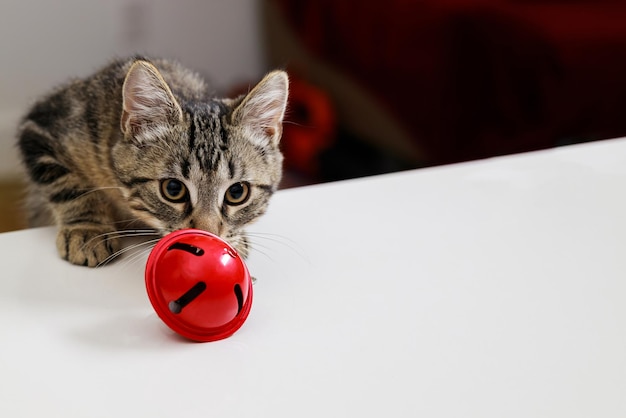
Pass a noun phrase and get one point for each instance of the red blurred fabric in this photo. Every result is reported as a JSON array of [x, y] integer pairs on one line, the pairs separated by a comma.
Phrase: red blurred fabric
[[473, 79], [309, 128]]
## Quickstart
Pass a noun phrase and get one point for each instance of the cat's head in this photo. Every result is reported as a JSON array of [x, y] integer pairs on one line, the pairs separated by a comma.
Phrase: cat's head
[[211, 165]]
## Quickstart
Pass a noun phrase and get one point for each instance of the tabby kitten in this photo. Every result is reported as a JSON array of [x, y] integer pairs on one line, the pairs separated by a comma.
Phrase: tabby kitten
[[143, 143]]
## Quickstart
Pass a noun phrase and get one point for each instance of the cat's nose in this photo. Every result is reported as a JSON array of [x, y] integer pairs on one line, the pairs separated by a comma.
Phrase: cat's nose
[[210, 224]]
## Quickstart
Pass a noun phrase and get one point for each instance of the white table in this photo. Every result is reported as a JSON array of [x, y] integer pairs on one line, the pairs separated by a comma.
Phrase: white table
[[488, 289]]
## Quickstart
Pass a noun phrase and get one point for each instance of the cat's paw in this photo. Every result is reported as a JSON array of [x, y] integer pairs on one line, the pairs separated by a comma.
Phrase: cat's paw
[[86, 245]]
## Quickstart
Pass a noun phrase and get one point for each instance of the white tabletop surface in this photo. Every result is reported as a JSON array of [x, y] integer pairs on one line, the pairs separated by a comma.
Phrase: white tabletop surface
[[494, 288]]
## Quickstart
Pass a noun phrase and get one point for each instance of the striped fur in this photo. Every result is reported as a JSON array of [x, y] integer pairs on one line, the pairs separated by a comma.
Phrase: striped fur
[[108, 153]]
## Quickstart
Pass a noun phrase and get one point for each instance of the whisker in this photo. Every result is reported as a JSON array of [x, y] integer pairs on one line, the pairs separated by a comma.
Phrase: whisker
[[125, 250], [139, 254], [270, 236], [124, 221], [130, 222], [280, 239], [114, 255], [122, 234], [254, 246], [97, 189], [118, 234], [289, 122]]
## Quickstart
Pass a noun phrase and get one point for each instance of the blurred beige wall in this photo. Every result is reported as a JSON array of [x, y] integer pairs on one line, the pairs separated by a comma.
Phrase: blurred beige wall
[[43, 43]]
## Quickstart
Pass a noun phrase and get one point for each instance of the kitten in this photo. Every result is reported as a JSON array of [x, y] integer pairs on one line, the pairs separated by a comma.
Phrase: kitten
[[143, 143]]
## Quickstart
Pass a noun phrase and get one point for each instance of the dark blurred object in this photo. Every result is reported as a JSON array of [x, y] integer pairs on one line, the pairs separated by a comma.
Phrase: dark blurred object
[[351, 157], [309, 128], [442, 81]]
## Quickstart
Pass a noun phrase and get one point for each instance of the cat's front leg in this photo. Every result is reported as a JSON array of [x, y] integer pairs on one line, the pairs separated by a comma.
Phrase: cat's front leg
[[86, 234], [87, 244]]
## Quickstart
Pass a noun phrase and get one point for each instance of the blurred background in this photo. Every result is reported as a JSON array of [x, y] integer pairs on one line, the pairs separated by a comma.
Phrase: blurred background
[[376, 86]]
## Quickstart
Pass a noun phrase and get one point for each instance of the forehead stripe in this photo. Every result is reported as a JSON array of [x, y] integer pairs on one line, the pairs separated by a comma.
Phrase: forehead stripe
[[231, 169], [185, 167], [192, 134]]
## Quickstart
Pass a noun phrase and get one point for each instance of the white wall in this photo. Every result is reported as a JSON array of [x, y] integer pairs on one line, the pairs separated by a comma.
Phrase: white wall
[[43, 43]]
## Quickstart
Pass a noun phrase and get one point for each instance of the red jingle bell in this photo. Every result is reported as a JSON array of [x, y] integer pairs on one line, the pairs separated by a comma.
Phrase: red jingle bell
[[198, 285]]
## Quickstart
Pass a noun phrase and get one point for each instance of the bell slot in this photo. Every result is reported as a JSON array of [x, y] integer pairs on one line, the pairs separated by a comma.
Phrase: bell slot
[[176, 306]]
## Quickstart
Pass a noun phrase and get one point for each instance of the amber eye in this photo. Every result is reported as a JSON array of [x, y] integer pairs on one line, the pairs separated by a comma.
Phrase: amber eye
[[238, 193], [174, 191]]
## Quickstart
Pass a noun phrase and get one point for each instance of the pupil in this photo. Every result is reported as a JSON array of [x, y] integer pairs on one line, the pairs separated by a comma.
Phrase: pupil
[[174, 188], [236, 191]]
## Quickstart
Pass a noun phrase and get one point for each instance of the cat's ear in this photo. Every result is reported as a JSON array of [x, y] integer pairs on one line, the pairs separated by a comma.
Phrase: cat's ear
[[263, 109], [148, 103]]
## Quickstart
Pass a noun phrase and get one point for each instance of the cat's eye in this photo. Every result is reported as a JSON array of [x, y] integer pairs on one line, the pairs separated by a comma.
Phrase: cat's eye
[[237, 194], [174, 190]]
